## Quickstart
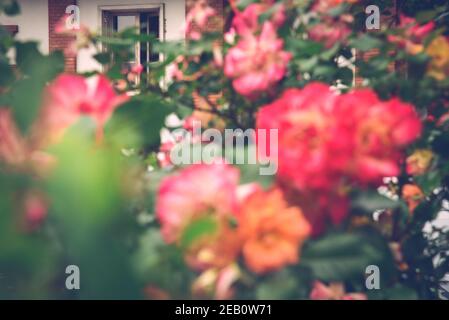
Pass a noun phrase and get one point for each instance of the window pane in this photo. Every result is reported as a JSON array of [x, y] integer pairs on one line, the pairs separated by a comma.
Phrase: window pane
[[149, 24], [154, 30], [124, 22]]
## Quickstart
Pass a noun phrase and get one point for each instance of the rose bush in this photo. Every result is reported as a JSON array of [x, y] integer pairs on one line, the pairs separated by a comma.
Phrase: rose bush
[[86, 175]]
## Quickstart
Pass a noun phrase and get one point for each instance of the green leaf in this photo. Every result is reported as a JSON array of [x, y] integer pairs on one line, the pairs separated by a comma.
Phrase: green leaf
[[345, 75], [330, 53], [252, 172], [303, 48], [281, 285], [144, 116], [103, 57], [162, 265], [197, 229], [10, 7], [429, 181], [25, 96], [308, 64], [86, 189], [366, 42], [342, 257], [242, 4], [6, 73], [372, 201]]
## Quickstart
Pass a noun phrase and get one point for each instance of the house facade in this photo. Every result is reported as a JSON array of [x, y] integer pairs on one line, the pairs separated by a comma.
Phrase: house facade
[[38, 18]]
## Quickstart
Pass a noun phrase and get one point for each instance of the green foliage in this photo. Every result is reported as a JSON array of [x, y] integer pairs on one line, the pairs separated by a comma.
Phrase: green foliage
[[343, 257], [10, 7], [138, 122], [88, 210], [36, 70], [26, 260], [106, 225]]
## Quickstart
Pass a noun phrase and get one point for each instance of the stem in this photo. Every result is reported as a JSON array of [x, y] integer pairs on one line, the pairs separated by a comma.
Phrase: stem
[[99, 136]]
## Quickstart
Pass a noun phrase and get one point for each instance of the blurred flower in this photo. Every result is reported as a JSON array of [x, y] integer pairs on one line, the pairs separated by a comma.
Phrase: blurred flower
[[329, 33], [272, 232], [419, 162], [82, 36], [155, 293], [247, 21], [327, 140], [438, 51], [412, 35], [20, 152], [176, 71], [334, 291], [13, 148], [197, 18], [257, 63], [383, 129], [216, 283], [412, 195], [137, 68], [230, 36], [324, 6], [307, 155], [163, 155], [215, 249], [398, 256], [320, 208], [35, 209], [132, 73], [71, 96], [196, 191], [245, 190]]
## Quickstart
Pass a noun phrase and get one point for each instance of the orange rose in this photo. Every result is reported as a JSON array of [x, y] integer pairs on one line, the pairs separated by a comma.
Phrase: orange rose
[[412, 195], [271, 232], [215, 250], [419, 162]]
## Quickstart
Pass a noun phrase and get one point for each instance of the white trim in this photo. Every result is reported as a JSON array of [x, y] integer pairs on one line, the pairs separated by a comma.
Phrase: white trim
[[137, 7], [172, 18]]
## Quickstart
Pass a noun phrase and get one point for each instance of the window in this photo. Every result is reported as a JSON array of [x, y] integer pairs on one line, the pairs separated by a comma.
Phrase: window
[[147, 21]]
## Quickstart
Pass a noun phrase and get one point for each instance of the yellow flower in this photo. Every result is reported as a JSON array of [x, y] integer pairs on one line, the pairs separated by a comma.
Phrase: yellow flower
[[438, 51], [419, 161]]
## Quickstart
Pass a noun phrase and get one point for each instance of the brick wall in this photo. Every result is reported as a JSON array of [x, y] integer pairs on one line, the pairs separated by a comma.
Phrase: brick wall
[[386, 22], [56, 10], [212, 24], [218, 5]]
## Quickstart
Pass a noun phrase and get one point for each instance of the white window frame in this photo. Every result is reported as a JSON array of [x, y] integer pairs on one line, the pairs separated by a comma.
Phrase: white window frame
[[137, 8]]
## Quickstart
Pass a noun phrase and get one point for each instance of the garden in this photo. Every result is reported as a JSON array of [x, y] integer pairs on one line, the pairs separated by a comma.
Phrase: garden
[[285, 149]]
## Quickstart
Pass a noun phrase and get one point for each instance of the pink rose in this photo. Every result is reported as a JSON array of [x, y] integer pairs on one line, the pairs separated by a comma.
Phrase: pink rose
[[329, 35], [257, 63], [193, 192], [71, 96]]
